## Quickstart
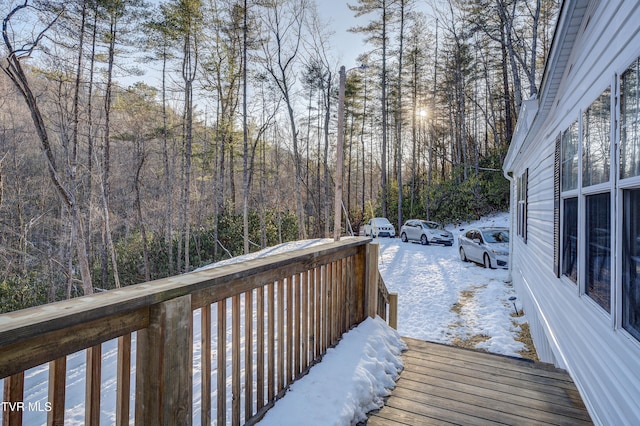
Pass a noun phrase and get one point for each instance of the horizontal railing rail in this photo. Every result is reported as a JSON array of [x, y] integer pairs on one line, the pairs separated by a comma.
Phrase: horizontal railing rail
[[249, 329]]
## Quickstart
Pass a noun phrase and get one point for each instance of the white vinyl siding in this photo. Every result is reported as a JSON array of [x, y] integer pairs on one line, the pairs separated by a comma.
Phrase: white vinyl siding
[[570, 324]]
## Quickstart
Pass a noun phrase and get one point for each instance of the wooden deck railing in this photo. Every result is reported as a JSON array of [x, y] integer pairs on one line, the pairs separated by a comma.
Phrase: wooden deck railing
[[258, 325]]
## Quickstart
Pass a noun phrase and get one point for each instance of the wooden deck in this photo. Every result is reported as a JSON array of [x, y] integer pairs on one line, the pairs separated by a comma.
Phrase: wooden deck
[[446, 385]]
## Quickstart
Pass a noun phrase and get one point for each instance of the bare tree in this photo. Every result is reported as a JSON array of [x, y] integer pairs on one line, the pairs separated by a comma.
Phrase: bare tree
[[284, 21], [402, 12], [12, 66], [245, 134], [114, 10], [378, 32], [320, 77], [185, 17], [162, 34]]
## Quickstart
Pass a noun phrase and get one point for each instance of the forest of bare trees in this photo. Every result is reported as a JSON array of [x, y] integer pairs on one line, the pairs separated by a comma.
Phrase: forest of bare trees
[[228, 145]]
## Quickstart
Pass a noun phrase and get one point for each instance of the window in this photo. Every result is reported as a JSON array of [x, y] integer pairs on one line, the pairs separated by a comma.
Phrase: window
[[565, 238], [583, 199], [628, 174], [522, 204], [630, 121], [598, 249], [596, 131], [570, 157], [631, 262], [592, 189], [570, 239]]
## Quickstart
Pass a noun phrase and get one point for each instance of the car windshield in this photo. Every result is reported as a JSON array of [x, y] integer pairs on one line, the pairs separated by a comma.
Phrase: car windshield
[[496, 236], [380, 222], [432, 225]]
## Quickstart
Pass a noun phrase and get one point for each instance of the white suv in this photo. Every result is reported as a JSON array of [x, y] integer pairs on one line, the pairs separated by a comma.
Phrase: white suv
[[379, 227]]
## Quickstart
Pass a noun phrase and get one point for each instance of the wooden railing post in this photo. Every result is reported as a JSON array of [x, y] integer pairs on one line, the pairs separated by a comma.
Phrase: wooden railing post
[[371, 289], [14, 398], [57, 391], [92, 385], [123, 387], [393, 310], [164, 365], [361, 276]]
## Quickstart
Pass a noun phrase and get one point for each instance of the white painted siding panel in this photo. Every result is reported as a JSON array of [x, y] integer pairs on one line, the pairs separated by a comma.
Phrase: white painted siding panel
[[569, 329]]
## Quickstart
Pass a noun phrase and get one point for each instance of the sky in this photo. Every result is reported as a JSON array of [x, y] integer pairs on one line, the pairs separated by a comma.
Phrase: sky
[[361, 369], [346, 45]]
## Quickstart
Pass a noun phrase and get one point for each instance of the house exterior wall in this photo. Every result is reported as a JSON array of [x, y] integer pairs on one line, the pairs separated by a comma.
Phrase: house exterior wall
[[570, 329]]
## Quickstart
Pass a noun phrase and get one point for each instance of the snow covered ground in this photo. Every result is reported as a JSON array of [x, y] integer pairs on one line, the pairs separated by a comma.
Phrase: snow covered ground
[[445, 300], [440, 298], [352, 379]]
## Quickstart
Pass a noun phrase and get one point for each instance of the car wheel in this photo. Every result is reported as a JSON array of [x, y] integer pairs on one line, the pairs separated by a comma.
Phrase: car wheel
[[486, 261], [404, 238], [424, 240], [463, 255]]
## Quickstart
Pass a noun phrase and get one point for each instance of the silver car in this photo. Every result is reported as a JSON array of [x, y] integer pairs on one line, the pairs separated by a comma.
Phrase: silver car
[[487, 246], [426, 232]]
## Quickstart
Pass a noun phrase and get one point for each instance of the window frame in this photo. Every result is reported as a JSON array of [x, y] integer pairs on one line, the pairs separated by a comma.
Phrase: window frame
[[522, 201], [635, 334], [622, 184], [618, 213], [590, 281], [564, 239], [621, 217], [582, 192]]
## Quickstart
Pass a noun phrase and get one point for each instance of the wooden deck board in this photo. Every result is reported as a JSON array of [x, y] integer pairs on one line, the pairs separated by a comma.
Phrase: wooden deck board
[[441, 384], [392, 416]]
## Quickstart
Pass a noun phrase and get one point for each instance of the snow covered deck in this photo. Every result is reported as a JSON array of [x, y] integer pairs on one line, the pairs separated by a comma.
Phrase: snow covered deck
[[443, 384]]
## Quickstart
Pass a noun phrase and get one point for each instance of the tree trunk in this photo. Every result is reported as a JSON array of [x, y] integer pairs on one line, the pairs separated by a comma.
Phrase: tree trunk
[[507, 94], [327, 118], [383, 85], [189, 64], [106, 160], [245, 171], [364, 117], [143, 228], [168, 177], [399, 115]]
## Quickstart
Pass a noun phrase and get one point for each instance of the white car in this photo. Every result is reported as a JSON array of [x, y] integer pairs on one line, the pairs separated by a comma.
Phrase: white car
[[486, 246], [379, 227], [426, 232]]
